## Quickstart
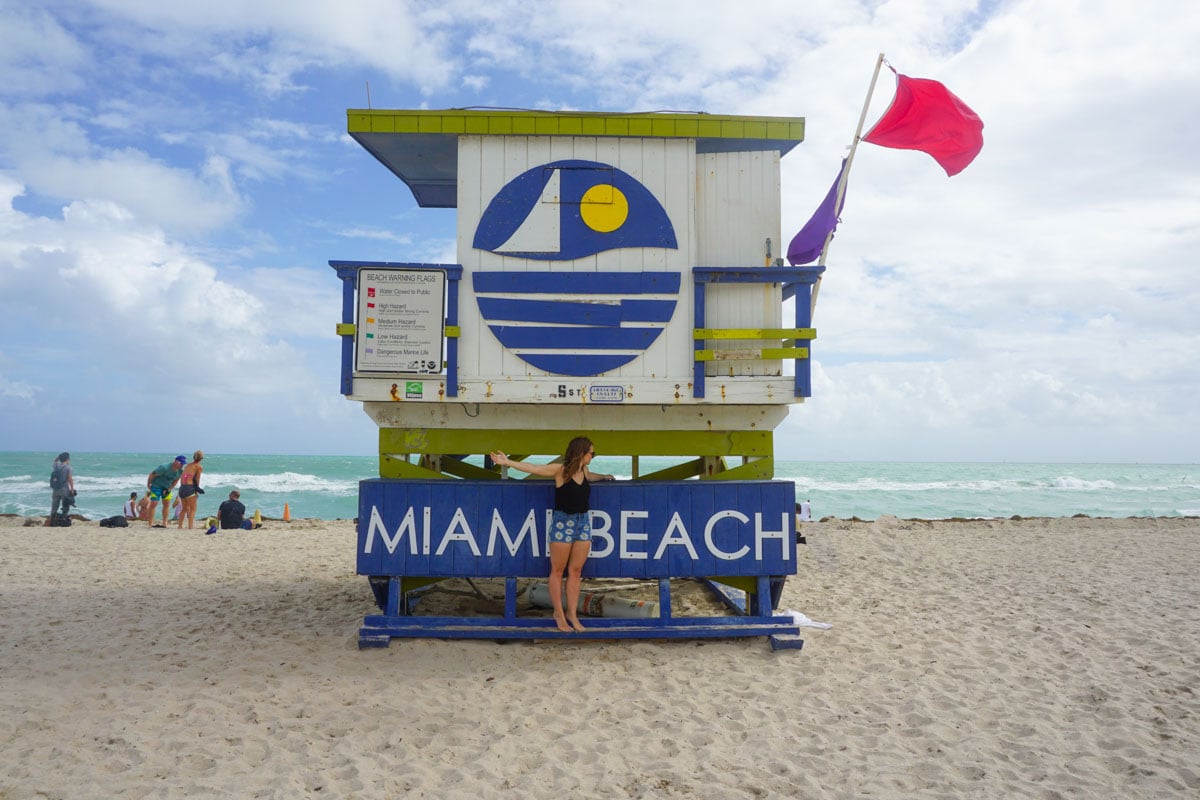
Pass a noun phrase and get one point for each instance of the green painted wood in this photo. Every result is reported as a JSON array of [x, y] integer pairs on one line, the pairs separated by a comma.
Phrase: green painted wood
[[678, 472], [765, 354], [613, 443], [754, 333], [761, 469], [787, 131]]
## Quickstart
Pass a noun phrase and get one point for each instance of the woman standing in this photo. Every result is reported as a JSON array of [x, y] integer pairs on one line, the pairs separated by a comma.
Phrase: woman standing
[[571, 525], [189, 487]]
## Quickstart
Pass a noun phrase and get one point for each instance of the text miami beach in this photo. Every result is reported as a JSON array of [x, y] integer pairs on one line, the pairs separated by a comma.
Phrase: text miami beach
[[651, 530]]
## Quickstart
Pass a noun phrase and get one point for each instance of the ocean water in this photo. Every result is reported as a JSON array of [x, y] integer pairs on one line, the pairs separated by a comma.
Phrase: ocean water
[[326, 487]]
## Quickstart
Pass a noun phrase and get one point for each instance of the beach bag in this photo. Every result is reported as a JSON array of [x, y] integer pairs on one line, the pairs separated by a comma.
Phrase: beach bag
[[60, 521], [114, 522]]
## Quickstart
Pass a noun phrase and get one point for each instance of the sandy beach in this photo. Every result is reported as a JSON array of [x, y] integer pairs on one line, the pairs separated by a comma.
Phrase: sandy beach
[[1037, 658]]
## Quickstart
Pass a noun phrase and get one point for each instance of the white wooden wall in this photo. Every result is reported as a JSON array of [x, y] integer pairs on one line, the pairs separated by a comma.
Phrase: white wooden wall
[[723, 207]]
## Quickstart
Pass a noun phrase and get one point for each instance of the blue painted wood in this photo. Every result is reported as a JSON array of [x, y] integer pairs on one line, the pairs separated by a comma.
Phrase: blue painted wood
[[550, 311], [503, 309], [732, 597], [576, 364], [620, 283], [497, 529], [795, 282], [647, 310], [348, 272], [664, 599], [510, 598], [379, 634], [698, 318], [580, 338], [641, 529], [784, 275], [452, 341], [787, 642]]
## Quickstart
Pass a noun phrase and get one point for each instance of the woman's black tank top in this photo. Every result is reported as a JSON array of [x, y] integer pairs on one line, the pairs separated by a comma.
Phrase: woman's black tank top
[[572, 497]]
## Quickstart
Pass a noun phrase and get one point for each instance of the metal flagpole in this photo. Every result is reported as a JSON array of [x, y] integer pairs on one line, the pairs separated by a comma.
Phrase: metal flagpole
[[841, 189]]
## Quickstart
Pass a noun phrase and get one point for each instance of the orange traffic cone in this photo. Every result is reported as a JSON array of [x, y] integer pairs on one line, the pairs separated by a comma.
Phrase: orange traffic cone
[[287, 514]]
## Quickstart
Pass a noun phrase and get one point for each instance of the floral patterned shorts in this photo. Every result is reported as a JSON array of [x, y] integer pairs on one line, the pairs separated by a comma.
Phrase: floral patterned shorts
[[569, 528]]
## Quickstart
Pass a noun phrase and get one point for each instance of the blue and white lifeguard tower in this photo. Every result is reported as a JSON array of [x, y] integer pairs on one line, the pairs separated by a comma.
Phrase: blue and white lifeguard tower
[[617, 278]]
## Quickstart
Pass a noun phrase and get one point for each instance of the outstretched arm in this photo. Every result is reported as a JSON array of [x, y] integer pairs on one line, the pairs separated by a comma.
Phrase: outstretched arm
[[593, 477], [542, 470]]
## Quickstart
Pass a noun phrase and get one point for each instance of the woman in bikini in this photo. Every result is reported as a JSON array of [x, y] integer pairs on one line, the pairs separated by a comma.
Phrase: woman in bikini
[[189, 487], [571, 525]]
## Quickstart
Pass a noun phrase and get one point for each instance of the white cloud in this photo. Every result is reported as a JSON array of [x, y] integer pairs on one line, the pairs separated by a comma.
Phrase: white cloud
[[1042, 302]]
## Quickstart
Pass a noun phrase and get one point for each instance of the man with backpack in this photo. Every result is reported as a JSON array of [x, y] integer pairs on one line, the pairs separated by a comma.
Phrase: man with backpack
[[62, 488]]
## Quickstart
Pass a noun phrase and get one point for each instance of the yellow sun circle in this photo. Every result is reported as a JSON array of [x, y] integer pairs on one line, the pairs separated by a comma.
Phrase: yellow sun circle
[[604, 208]]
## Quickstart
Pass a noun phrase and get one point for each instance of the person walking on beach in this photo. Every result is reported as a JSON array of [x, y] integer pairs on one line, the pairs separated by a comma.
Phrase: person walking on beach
[[571, 525], [160, 482], [189, 488], [62, 487]]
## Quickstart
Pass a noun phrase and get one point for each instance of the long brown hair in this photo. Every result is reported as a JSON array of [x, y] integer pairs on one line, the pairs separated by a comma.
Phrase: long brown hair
[[573, 459]]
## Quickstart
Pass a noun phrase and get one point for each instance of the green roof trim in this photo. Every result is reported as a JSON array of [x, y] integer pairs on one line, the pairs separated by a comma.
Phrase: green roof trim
[[421, 146]]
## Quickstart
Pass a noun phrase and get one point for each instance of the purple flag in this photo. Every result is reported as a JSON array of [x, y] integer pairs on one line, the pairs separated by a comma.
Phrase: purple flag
[[807, 245]]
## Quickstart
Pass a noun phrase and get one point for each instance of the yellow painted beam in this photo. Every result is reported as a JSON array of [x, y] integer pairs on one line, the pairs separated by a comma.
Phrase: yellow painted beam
[[754, 333]]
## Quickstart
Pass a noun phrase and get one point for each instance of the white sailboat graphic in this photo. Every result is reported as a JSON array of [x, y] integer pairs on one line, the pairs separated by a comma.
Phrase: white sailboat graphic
[[541, 232]]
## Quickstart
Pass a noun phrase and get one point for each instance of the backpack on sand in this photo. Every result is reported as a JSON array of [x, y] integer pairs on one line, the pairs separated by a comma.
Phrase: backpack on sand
[[114, 522]]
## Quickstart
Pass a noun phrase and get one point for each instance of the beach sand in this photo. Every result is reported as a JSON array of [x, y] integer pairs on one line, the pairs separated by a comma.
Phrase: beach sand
[[1040, 658]]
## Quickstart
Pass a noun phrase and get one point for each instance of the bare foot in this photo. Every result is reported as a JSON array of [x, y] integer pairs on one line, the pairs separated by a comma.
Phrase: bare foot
[[561, 622], [577, 625]]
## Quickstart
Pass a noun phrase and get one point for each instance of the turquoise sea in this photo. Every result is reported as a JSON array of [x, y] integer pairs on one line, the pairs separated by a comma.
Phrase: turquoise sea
[[326, 487]]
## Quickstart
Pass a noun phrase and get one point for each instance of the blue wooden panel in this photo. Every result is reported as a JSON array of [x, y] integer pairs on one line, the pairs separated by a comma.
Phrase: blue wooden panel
[[553, 311], [622, 283], [647, 310], [513, 336], [703, 505], [728, 546], [641, 529], [631, 532], [369, 560], [679, 543], [577, 365], [576, 313]]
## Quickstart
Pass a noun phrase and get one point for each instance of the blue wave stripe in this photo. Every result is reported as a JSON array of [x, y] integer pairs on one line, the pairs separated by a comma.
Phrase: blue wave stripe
[[567, 312], [577, 365], [647, 310], [551, 338], [621, 283], [495, 308]]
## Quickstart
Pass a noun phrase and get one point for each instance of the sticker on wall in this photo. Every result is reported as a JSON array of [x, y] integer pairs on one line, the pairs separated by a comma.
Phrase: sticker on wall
[[571, 209]]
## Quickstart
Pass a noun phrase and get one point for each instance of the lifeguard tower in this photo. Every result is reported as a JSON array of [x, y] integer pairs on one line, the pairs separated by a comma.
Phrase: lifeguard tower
[[617, 277]]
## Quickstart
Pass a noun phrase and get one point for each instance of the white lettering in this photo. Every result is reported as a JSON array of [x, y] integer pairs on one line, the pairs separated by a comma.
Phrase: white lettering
[[708, 535], [784, 535], [428, 524], [601, 531], [628, 536], [624, 539], [458, 531], [389, 541], [528, 528], [676, 535]]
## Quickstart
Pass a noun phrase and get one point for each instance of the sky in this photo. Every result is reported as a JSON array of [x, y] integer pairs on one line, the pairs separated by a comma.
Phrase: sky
[[175, 177]]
